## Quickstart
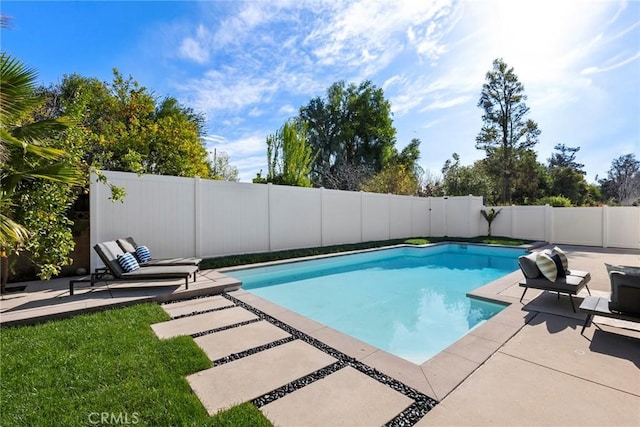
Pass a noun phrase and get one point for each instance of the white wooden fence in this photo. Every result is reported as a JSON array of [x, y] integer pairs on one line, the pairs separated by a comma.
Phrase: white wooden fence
[[197, 217]]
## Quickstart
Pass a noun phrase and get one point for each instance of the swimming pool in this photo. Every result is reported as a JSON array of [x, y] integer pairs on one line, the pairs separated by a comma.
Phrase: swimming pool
[[409, 301]]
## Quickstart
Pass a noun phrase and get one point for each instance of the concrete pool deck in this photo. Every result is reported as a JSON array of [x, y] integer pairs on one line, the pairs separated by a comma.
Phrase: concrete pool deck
[[528, 365]]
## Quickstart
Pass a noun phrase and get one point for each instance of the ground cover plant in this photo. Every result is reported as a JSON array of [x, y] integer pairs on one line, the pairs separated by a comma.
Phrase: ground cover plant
[[234, 260], [74, 371]]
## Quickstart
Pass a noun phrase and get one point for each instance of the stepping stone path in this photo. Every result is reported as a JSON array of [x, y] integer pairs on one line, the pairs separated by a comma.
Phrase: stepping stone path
[[294, 379]]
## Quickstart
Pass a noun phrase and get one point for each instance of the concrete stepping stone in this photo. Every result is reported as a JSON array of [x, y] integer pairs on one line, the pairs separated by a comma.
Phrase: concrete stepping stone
[[202, 322], [244, 379], [239, 339], [200, 304], [345, 398]]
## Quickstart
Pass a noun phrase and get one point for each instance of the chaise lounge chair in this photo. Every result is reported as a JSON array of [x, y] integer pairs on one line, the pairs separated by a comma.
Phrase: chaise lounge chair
[[568, 282], [113, 271], [624, 303], [130, 245]]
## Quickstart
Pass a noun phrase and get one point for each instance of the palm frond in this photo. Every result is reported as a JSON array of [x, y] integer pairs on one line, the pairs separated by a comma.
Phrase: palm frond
[[33, 132], [17, 84], [11, 233], [8, 141]]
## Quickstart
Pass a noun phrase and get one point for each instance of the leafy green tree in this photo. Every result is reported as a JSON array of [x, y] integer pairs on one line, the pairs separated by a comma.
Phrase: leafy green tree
[[397, 179], [127, 129], [459, 180], [289, 157], [567, 176], [622, 184], [401, 175], [565, 157], [221, 168], [505, 132], [531, 179], [351, 132], [37, 176], [567, 182]]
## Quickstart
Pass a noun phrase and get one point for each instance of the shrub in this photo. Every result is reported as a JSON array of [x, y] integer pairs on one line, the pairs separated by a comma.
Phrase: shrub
[[555, 201]]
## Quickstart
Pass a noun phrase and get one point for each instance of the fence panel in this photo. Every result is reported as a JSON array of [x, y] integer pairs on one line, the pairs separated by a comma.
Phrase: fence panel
[[528, 222], [157, 212], [341, 217], [623, 229], [577, 226], [400, 217], [295, 217], [375, 217], [438, 217], [235, 218], [186, 217], [420, 217]]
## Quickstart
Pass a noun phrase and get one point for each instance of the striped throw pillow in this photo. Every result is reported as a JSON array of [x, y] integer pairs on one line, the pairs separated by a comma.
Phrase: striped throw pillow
[[547, 266], [128, 262], [143, 254], [563, 257]]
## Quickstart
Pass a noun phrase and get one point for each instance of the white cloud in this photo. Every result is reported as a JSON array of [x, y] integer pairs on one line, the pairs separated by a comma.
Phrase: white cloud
[[196, 48], [611, 66], [377, 26], [288, 109], [242, 147], [227, 90], [214, 139], [193, 50], [442, 104]]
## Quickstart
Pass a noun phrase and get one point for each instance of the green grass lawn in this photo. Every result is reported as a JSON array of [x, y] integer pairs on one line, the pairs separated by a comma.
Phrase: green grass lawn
[[68, 372], [234, 260]]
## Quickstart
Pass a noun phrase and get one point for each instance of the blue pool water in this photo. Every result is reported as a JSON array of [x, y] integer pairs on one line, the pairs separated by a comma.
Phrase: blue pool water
[[408, 301]]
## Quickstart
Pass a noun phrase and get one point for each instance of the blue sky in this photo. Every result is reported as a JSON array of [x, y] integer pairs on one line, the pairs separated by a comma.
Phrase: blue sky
[[249, 66]]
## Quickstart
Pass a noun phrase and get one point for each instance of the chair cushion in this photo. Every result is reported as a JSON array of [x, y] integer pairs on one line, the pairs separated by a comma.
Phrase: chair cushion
[[547, 266], [128, 262], [528, 266], [563, 257], [143, 254], [623, 269], [127, 245], [625, 292]]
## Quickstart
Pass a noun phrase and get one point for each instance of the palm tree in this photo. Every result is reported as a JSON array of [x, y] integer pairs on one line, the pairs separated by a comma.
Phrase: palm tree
[[490, 216], [24, 150]]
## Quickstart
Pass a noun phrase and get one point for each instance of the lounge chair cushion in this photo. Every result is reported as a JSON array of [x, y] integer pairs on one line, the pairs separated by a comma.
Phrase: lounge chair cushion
[[625, 292], [143, 254], [528, 266], [623, 268], [547, 266], [569, 284], [165, 272], [563, 257], [128, 244], [579, 273], [128, 262]]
